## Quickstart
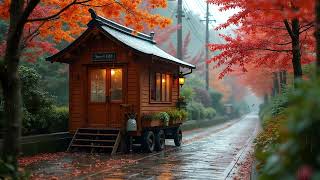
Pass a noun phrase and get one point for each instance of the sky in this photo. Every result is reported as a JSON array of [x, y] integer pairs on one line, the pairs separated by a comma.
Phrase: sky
[[199, 7]]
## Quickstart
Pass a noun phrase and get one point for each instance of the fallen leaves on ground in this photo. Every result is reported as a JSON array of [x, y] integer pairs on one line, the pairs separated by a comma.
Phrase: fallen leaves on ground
[[28, 160], [244, 168], [82, 165]]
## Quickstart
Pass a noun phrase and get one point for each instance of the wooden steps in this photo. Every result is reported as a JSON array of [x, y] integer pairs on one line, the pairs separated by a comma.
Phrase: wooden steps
[[95, 140]]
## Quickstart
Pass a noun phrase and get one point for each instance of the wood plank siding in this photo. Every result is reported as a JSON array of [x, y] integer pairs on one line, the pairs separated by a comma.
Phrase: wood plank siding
[[146, 67]]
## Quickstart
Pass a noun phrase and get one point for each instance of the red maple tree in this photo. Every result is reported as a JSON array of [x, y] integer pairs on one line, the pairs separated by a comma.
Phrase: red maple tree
[[276, 35]]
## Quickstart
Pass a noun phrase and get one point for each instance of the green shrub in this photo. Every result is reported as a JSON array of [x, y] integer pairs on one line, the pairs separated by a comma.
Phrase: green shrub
[[268, 139], [202, 96], [40, 115], [277, 105], [49, 120], [209, 113], [59, 119], [216, 98], [188, 93], [195, 111], [183, 114], [298, 154]]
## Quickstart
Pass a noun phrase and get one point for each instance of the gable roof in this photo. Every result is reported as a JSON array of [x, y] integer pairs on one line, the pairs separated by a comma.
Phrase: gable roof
[[138, 41]]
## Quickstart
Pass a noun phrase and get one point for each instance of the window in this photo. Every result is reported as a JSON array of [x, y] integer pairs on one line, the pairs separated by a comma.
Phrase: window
[[98, 85], [160, 87], [116, 85]]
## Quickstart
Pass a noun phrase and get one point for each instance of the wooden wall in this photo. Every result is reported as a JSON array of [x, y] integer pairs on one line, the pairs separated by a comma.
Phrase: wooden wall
[[81, 59], [146, 67]]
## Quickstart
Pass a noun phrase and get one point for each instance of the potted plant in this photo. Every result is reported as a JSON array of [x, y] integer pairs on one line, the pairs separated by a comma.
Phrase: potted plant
[[177, 116], [149, 120], [164, 117]]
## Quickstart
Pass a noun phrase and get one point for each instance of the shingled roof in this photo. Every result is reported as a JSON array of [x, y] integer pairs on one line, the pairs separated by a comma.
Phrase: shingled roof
[[138, 41]]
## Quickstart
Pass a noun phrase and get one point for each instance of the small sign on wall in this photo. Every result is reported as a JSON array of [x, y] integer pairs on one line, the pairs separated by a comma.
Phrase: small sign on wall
[[103, 56]]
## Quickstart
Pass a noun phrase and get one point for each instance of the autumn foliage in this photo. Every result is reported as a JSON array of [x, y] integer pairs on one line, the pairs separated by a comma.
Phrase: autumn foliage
[[270, 36], [53, 22]]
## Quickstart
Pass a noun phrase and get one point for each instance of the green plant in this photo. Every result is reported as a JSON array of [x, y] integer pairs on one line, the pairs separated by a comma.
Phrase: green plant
[[268, 139], [8, 171], [216, 98], [174, 114], [209, 113], [177, 115], [163, 116], [59, 119], [183, 114], [187, 92], [195, 111], [181, 103], [298, 154]]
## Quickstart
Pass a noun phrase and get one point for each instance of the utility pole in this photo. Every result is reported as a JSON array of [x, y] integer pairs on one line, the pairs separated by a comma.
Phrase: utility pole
[[207, 20], [207, 49], [179, 32]]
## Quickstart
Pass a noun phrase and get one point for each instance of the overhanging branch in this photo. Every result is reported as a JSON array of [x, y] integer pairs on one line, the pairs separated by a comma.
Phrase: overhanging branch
[[59, 12]]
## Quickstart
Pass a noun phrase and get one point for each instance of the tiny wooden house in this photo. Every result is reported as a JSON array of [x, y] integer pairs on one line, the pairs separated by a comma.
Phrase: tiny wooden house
[[112, 69]]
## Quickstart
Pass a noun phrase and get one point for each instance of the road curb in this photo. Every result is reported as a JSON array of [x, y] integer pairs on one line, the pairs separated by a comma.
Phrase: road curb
[[240, 154]]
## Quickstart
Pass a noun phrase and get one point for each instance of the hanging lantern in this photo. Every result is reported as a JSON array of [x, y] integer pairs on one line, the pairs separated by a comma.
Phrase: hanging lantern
[[181, 79]]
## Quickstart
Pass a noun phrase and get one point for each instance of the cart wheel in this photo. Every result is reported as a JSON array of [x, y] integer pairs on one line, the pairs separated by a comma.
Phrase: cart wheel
[[148, 141], [177, 137], [160, 140]]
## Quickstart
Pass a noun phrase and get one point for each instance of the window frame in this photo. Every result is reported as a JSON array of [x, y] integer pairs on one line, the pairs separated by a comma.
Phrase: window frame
[[152, 74]]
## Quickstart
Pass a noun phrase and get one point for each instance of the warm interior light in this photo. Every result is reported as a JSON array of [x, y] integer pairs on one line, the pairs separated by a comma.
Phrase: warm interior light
[[112, 72], [163, 80], [181, 81]]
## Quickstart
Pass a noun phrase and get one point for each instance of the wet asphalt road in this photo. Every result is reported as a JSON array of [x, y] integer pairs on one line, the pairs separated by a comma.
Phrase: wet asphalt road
[[205, 154]]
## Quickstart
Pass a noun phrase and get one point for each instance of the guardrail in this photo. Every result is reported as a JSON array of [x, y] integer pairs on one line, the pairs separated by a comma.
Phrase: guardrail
[[42, 143]]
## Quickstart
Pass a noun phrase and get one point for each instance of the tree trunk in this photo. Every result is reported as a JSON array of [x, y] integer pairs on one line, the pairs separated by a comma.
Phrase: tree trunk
[[275, 84], [283, 80], [12, 88], [317, 34], [265, 98], [296, 54]]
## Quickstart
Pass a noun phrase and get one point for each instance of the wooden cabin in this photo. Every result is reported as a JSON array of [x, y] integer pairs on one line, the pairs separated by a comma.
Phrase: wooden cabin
[[113, 69]]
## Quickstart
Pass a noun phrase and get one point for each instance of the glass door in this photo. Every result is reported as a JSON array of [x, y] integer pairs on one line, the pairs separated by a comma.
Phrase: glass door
[[105, 94]]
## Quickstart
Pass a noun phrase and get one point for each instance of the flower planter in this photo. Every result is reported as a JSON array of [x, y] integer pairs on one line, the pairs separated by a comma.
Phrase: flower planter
[[152, 123], [174, 122]]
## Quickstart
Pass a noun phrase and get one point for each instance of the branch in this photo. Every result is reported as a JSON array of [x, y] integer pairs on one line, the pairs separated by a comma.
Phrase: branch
[[59, 12], [286, 23], [125, 8], [34, 32], [283, 44], [311, 26], [28, 10], [108, 4], [273, 50]]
